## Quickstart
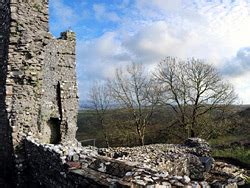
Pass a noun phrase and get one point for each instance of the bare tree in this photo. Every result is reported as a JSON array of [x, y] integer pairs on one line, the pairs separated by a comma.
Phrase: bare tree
[[133, 90], [193, 89], [101, 102]]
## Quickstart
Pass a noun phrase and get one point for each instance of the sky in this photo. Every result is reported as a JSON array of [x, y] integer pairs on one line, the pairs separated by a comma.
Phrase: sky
[[113, 33]]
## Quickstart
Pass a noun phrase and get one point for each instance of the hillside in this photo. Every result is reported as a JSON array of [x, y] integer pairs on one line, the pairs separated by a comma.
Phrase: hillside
[[160, 130]]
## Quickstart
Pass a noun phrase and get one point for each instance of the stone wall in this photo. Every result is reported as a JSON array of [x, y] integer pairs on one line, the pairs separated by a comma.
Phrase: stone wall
[[57, 121], [38, 92], [47, 167], [28, 28]]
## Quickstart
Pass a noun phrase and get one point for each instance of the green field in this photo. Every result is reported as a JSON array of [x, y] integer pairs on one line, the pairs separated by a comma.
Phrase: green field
[[230, 147]]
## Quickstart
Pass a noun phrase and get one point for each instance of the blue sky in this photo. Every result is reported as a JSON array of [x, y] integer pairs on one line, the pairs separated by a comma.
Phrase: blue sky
[[112, 33]]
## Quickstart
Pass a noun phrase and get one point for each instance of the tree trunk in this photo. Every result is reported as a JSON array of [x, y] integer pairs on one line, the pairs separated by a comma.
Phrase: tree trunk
[[104, 133], [106, 140], [190, 131], [141, 140]]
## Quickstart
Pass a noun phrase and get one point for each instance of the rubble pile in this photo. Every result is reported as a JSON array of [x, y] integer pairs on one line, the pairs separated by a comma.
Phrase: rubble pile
[[178, 160], [159, 165]]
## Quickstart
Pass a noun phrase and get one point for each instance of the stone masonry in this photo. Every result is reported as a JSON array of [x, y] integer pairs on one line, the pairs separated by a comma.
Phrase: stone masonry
[[38, 114], [152, 166], [38, 91]]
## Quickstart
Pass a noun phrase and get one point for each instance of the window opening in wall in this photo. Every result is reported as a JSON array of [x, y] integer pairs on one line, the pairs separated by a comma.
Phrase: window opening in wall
[[59, 99], [54, 124]]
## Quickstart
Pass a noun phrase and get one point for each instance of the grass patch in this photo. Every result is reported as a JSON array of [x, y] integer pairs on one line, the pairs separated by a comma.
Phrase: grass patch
[[223, 147], [240, 153], [226, 140]]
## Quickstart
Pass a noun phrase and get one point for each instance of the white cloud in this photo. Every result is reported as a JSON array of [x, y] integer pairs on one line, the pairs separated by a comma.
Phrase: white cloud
[[152, 42], [102, 14], [97, 60], [239, 64], [241, 85], [152, 30], [160, 39], [65, 16], [162, 5], [237, 71]]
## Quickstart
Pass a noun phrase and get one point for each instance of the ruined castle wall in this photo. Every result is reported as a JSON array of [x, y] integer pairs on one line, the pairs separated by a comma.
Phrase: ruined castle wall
[[37, 80], [45, 166], [29, 27], [59, 91], [47, 169], [27, 38]]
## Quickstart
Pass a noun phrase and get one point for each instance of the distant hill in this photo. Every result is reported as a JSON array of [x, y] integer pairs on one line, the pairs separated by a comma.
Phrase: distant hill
[[84, 105], [87, 105]]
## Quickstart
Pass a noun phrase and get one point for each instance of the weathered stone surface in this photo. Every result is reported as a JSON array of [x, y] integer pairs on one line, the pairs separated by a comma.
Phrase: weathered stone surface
[[198, 146], [38, 91], [97, 170], [174, 159]]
